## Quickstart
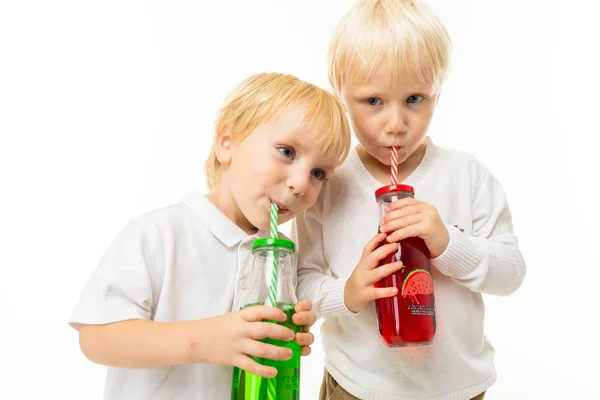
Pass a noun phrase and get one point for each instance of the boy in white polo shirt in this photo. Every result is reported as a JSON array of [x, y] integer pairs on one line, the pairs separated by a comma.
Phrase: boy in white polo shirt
[[162, 307]]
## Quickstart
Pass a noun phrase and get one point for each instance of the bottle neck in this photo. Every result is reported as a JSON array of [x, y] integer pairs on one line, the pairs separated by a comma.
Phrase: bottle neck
[[388, 198], [267, 260]]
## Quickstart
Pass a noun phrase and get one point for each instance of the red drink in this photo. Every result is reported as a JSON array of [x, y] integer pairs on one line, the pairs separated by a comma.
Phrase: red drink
[[407, 319]]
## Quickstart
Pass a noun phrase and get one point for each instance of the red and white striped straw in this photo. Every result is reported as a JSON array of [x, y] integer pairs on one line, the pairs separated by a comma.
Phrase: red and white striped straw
[[394, 164]]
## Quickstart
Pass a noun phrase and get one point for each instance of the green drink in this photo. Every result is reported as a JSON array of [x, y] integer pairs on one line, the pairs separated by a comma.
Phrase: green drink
[[273, 257], [247, 386]]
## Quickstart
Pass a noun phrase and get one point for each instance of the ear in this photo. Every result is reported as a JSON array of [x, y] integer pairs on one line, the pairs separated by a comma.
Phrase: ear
[[224, 147]]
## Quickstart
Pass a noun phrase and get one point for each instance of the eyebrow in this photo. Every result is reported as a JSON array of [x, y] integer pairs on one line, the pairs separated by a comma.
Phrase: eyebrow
[[291, 138], [367, 88], [364, 90]]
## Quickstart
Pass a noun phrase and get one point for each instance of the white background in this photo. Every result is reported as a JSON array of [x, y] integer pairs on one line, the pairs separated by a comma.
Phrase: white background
[[107, 109]]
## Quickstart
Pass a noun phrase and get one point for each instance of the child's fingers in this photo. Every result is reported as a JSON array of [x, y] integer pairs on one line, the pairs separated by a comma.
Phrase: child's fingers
[[381, 253], [399, 204], [264, 350], [402, 212], [384, 271], [400, 223], [305, 339], [372, 244], [247, 364], [264, 330], [403, 233], [304, 318], [305, 351], [381, 293], [260, 313], [303, 305]]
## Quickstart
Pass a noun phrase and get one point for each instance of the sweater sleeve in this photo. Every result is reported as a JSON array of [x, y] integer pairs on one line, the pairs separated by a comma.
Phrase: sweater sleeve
[[489, 261], [315, 282]]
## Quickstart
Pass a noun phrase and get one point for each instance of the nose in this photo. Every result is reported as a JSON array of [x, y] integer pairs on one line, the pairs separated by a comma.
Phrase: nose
[[298, 181], [395, 122]]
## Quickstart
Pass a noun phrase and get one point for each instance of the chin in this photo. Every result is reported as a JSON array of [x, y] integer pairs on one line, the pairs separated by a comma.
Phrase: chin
[[285, 219], [385, 160], [262, 224]]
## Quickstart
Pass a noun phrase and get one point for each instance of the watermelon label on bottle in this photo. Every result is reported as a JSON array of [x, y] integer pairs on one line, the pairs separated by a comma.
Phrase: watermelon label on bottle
[[418, 282]]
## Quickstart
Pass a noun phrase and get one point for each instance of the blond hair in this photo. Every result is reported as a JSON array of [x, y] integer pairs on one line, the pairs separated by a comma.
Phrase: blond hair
[[268, 96], [404, 33]]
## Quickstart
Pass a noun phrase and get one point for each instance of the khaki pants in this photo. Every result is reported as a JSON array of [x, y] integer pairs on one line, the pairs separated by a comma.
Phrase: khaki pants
[[330, 390]]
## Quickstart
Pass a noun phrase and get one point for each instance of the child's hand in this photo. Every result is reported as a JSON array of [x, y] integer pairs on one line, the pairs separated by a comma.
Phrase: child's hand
[[306, 318], [412, 218], [234, 339], [360, 289]]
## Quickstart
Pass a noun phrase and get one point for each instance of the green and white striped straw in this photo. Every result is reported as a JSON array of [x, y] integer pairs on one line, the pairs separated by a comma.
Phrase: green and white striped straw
[[274, 218], [273, 231], [272, 301]]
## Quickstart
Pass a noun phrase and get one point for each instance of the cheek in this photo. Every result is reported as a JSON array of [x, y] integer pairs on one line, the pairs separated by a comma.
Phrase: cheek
[[259, 167], [365, 124], [310, 198], [240, 162], [421, 125], [355, 115], [367, 133], [359, 126], [424, 118]]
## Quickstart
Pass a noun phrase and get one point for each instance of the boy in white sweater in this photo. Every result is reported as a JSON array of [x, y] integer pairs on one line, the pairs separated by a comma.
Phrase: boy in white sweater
[[387, 61]]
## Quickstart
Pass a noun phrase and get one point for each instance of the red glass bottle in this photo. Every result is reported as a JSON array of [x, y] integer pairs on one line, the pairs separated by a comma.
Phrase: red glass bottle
[[407, 319]]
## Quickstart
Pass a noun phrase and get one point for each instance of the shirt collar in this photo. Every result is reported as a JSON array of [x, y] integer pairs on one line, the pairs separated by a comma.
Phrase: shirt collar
[[217, 223]]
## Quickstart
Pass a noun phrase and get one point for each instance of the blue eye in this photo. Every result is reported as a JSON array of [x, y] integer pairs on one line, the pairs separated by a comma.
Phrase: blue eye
[[415, 98], [319, 174], [373, 101], [287, 152]]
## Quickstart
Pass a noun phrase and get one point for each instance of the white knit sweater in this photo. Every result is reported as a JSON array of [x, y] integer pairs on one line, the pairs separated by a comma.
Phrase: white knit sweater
[[482, 257]]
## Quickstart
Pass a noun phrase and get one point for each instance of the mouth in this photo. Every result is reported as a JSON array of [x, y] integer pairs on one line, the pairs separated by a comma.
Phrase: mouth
[[282, 209]]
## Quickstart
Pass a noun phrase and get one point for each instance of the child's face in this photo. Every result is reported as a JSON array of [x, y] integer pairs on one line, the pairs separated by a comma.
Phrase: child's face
[[275, 163], [385, 114]]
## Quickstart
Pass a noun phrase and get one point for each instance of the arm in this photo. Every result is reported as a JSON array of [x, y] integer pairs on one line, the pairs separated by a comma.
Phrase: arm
[[315, 282], [114, 316], [489, 261], [229, 339], [334, 296], [142, 343]]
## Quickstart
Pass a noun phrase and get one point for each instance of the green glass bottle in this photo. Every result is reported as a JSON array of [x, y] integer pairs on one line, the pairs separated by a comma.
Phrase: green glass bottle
[[245, 385]]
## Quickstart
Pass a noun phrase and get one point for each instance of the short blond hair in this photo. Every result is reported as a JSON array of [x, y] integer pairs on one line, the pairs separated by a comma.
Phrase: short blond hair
[[268, 96], [404, 33]]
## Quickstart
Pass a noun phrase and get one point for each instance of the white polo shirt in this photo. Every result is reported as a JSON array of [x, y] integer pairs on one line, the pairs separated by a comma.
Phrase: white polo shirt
[[183, 262]]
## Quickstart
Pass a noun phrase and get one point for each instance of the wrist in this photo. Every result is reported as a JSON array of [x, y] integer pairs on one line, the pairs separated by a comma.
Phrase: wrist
[[441, 244], [349, 300]]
